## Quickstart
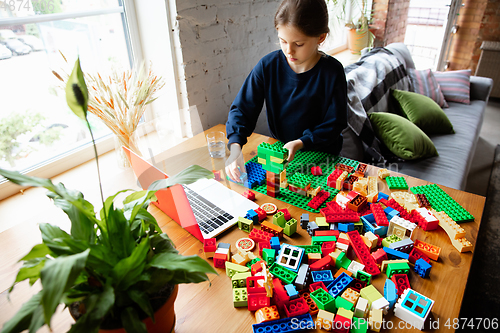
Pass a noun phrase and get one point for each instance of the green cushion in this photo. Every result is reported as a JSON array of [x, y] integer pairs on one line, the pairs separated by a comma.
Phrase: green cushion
[[403, 138], [423, 112]]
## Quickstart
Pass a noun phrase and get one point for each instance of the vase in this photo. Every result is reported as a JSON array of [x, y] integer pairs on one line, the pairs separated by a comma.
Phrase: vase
[[357, 40], [131, 142]]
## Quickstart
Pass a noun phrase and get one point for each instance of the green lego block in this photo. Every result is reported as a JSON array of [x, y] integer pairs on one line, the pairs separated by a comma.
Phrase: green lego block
[[250, 263], [290, 227], [343, 303], [397, 268], [370, 293], [346, 313], [359, 227], [245, 224], [342, 261], [359, 325], [239, 280], [319, 240], [396, 183], [364, 276], [269, 256], [279, 219], [389, 240], [321, 222], [299, 180], [272, 150], [310, 248], [442, 202], [282, 273], [323, 300], [232, 268], [240, 297]]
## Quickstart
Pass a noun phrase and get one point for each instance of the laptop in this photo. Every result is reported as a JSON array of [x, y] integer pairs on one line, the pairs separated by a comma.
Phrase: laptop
[[204, 208]]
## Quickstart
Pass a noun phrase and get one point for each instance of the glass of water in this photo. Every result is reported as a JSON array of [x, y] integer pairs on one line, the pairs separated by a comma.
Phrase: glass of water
[[216, 144]]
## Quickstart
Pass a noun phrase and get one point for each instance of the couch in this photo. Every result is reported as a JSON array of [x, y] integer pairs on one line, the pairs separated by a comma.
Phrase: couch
[[456, 151]]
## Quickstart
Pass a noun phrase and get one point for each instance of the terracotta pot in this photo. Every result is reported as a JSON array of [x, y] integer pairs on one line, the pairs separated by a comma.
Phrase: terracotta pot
[[357, 40], [164, 316]]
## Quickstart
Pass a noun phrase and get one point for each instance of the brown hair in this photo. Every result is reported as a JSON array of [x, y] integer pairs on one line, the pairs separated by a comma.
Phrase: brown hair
[[309, 16]]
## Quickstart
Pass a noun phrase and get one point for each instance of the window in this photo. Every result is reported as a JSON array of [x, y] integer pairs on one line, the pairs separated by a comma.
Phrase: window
[[38, 132]]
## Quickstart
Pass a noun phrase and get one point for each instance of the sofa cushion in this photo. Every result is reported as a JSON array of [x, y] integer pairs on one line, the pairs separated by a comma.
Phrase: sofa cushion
[[455, 85], [423, 112], [423, 82], [403, 138]]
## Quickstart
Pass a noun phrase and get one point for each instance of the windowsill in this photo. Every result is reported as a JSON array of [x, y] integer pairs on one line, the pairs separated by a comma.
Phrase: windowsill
[[345, 56]]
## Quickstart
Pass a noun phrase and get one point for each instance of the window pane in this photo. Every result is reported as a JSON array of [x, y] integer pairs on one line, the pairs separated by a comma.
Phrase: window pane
[[35, 122]]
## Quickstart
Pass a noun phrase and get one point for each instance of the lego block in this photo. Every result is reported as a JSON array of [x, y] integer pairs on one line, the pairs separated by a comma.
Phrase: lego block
[[390, 292], [286, 213], [245, 224], [239, 280], [350, 295], [255, 284], [240, 297], [209, 245], [302, 275], [257, 301], [364, 276], [361, 309], [389, 240], [304, 220], [354, 267], [260, 235], [405, 246], [424, 218], [360, 170], [462, 245], [313, 257], [262, 246], [363, 253], [370, 225], [358, 203], [401, 281], [290, 257], [313, 308], [339, 284], [316, 285], [269, 313], [323, 300], [383, 173], [381, 304], [371, 294], [394, 254], [396, 183], [239, 259], [316, 171], [249, 195], [359, 325], [284, 274], [413, 308], [279, 219], [339, 184], [289, 324], [290, 227], [415, 255], [232, 269], [291, 291], [341, 324], [319, 199], [379, 214], [422, 268], [271, 228], [397, 268], [220, 260], [452, 229], [345, 227], [324, 276], [321, 264], [252, 262], [324, 320], [431, 251], [375, 319], [296, 307], [261, 213]]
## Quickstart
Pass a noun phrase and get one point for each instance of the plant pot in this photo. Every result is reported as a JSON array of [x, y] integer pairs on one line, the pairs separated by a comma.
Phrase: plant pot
[[164, 317], [357, 40]]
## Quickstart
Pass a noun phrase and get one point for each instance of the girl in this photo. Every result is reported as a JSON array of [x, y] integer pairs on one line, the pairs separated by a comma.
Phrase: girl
[[304, 89]]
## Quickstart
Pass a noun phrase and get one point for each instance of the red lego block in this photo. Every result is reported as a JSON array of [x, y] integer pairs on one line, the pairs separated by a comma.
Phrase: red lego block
[[379, 215], [347, 216], [335, 233], [327, 247], [401, 281], [417, 218], [209, 245], [260, 235], [318, 200], [286, 213], [332, 178], [263, 245], [363, 253], [358, 203], [316, 171], [325, 211], [217, 175], [257, 301], [313, 308], [272, 193], [416, 254], [322, 264], [379, 256], [249, 195], [296, 307], [402, 212], [341, 324], [279, 291], [316, 285], [351, 195], [349, 182], [261, 214], [360, 170], [334, 207], [220, 260], [357, 285], [253, 286]]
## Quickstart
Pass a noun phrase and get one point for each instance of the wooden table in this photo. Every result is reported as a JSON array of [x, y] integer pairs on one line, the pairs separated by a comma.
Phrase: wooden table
[[207, 307]]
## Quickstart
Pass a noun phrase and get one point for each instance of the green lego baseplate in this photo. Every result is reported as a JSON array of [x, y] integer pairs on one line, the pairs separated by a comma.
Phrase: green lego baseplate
[[442, 202], [396, 183], [300, 168]]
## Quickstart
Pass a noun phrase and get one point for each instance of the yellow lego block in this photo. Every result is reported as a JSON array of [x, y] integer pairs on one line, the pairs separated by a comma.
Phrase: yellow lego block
[[383, 173], [375, 319], [261, 160], [321, 222], [372, 238], [324, 320], [350, 295], [340, 180], [277, 160], [453, 230], [372, 185], [238, 259], [462, 245], [359, 187]]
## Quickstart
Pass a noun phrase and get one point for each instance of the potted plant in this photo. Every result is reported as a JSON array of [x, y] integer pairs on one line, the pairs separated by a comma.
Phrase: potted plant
[[357, 19], [114, 267]]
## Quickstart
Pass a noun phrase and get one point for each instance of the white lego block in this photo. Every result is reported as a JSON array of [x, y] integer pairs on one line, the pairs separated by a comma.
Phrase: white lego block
[[381, 304], [342, 247], [401, 222], [354, 267], [427, 215], [361, 307], [413, 308]]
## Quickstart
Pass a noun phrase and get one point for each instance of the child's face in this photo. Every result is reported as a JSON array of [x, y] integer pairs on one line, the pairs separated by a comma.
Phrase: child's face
[[301, 51]]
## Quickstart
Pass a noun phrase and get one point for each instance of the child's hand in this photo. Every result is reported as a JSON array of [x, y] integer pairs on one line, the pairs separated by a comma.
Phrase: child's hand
[[292, 147], [235, 164]]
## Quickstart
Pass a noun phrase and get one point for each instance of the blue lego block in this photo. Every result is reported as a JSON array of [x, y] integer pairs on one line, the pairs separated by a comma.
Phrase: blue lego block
[[422, 267], [291, 291], [275, 244], [325, 276], [390, 293], [255, 174], [252, 215], [345, 227], [404, 245], [339, 284], [284, 325], [382, 195], [395, 254], [414, 300], [370, 224], [390, 213]]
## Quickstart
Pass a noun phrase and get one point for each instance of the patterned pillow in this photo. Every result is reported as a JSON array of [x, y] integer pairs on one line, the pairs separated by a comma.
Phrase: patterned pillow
[[424, 83], [455, 85]]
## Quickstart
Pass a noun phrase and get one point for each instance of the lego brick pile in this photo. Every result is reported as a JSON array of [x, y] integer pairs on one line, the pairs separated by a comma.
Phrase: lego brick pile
[[361, 233]]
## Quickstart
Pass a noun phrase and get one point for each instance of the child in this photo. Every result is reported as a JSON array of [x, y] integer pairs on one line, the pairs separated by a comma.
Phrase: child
[[304, 89]]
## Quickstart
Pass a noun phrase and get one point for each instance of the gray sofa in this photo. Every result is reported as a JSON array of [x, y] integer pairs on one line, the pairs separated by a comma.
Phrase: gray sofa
[[456, 151]]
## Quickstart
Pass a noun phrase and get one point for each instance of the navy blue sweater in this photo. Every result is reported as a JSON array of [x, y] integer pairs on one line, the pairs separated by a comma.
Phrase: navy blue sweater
[[310, 106]]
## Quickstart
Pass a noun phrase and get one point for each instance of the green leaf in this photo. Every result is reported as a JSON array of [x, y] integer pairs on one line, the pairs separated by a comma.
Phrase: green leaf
[[77, 95], [97, 306], [176, 262], [38, 251], [162, 243], [82, 227], [186, 176], [131, 321], [119, 235], [184, 277], [22, 319], [57, 277], [37, 320], [30, 270], [54, 237], [142, 299], [128, 270], [24, 180]]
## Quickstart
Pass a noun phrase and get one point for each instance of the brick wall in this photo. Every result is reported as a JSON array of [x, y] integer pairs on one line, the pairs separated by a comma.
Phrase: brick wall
[[479, 21], [390, 17], [220, 42]]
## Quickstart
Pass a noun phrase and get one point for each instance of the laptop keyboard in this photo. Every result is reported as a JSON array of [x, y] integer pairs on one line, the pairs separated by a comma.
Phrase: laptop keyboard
[[209, 216]]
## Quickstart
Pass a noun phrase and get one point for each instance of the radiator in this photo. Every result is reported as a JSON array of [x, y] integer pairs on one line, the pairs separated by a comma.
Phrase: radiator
[[489, 65]]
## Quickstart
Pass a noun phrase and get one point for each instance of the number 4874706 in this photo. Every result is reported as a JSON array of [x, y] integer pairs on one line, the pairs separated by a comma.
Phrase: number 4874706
[[39, 6]]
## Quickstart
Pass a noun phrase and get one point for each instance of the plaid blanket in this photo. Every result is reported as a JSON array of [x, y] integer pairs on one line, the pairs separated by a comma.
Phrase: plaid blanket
[[369, 82]]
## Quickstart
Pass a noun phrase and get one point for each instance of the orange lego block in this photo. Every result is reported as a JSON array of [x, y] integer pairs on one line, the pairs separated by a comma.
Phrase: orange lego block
[[267, 314], [350, 295], [429, 250], [340, 271]]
